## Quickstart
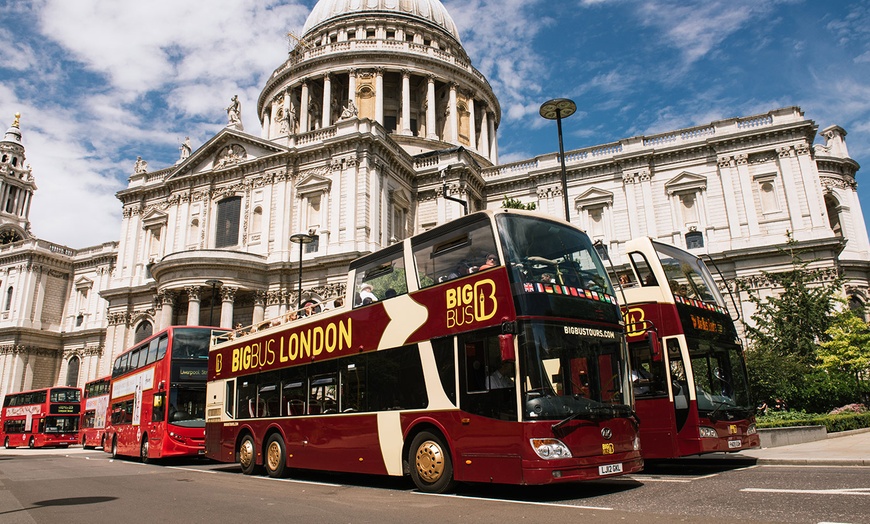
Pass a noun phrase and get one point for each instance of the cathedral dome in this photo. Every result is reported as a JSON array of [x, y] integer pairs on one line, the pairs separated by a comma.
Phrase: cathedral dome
[[430, 11]]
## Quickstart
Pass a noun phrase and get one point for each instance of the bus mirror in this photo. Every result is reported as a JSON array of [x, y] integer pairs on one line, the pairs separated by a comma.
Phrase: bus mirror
[[506, 344], [655, 347]]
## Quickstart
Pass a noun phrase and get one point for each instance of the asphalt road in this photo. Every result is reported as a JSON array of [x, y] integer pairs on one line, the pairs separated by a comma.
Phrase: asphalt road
[[72, 486]]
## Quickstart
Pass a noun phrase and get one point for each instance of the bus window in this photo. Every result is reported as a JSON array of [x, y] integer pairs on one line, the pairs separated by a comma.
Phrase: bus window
[[247, 398], [489, 387], [453, 254], [353, 373], [268, 397], [380, 278], [444, 358], [293, 391], [648, 375], [159, 411], [162, 344], [152, 351], [229, 399]]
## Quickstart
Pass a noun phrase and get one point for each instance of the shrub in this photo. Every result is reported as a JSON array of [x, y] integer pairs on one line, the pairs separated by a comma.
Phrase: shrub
[[849, 408], [833, 423]]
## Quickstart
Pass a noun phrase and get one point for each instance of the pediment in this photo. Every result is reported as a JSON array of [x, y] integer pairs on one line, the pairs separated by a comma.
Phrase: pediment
[[84, 283], [594, 197], [685, 182], [154, 219], [314, 181], [225, 150]]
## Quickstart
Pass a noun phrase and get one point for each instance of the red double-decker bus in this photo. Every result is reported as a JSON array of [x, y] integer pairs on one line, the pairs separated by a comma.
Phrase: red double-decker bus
[[689, 376], [489, 349], [157, 397], [95, 406], [42, 417]]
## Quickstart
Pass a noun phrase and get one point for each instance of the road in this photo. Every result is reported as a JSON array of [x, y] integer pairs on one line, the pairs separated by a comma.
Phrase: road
[[72, 486]]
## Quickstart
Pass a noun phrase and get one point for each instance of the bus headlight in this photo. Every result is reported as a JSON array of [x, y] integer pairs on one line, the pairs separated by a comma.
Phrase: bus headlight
[[177, 437], [707, 432], [550, 448], [635, 444], [751, 430]]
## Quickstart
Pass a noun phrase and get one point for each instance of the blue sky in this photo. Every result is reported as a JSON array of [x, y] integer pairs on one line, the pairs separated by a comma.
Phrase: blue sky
[[100, 82]]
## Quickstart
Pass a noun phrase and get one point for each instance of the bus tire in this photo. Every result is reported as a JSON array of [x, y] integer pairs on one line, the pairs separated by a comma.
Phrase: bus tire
[[31, 443], [276, 456], [247, 455], [115, 447], [431, 466], [7, 444], [143, 450]]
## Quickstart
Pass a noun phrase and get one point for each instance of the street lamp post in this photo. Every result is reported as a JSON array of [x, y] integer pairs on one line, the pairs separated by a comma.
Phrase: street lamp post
[[301, 238], [557, 109], [214, 285]]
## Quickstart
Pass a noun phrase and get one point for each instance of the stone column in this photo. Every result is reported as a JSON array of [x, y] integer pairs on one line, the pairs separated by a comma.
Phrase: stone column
[[303, 109], [327, 101], [193, 305], [351, 87], [259, 307], [808, 174], [406, 102], [742, 161], [484, 134], [493, 142], [267, 122], [472, 127], [166, 300], [228, 297], [379, 95], [789, 171], [453, 135], [726, 172], [430, 109]]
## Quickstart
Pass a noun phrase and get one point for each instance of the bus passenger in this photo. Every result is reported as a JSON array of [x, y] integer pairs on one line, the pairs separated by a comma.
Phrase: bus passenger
[[491, 261], [365, 294], [503, 377]]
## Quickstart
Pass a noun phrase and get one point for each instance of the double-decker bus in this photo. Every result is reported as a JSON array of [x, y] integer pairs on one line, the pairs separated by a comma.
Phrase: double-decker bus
[[689, 377], [95, 406], [488, 349], [157, 397], [42, 417]]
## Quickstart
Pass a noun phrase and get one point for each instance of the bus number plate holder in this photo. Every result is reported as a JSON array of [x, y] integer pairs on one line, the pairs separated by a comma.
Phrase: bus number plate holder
[[610, 469]]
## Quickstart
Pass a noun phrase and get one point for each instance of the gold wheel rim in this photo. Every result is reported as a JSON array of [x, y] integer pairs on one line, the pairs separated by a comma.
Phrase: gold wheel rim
[[273, 456], [246, 453], [430, 461]]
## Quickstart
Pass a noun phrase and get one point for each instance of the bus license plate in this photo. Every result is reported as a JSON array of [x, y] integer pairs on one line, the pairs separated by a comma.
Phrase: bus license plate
[[732, 444], [610, 469]]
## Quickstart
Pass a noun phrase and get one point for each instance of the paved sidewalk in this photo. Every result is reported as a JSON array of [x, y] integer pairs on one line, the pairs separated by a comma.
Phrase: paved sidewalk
[[849, 448]]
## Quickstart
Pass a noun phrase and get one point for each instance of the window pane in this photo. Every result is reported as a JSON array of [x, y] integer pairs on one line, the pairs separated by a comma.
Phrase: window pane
[[227, 233]]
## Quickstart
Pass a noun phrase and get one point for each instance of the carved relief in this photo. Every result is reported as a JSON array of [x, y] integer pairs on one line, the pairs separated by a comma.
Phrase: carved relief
[[231, 154]]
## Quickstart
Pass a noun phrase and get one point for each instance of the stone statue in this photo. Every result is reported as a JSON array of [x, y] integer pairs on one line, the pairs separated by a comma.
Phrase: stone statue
[[140, 166], [350, 111], [185, 148], [234, 113]]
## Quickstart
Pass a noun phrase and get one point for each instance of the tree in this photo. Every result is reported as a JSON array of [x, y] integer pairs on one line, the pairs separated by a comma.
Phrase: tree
[[848, 349], [512, 203], [788, 328]]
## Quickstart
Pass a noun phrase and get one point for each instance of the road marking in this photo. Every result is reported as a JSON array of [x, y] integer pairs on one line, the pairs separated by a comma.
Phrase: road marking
[[513, 501], [190, 469], [847, 491]]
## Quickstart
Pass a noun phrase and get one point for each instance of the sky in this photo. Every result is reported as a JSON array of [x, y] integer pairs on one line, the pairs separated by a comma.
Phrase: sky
[[100, 82]]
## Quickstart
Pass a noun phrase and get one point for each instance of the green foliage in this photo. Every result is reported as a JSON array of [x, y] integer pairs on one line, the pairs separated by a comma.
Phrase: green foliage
[[832, 423], [848, 347], [512, 203], [786, 332]]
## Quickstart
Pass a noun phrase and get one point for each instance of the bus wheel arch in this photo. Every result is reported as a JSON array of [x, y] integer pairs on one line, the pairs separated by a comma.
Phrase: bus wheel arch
[[7, 444], [144, 450], [246, 453], [275, 454], [31, 443], [430, 460]]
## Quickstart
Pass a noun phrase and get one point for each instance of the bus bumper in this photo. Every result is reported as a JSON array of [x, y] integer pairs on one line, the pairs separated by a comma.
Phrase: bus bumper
[[540, 472]]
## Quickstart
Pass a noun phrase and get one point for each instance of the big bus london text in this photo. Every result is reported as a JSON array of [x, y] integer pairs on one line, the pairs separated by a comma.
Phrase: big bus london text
[[689, 376], [489, 349]]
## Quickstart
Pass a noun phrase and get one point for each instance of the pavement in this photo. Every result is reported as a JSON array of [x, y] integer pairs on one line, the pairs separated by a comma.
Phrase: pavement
[[846, 448]]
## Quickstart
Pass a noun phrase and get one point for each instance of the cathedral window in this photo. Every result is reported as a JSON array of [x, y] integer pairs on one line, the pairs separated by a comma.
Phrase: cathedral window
[[833, 209], [10, 198], [228, 212], [768, 194], [143, 331], [694, 240], [72, 371]]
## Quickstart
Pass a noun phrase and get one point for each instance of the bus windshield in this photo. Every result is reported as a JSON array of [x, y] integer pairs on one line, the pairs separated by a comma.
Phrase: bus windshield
[[720, 381], [571, 371], [190, 343], [540, 251], [187, 406], [66, 395]]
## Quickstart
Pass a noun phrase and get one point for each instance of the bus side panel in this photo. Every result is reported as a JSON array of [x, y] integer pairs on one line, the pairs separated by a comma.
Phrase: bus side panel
[[338, 443]]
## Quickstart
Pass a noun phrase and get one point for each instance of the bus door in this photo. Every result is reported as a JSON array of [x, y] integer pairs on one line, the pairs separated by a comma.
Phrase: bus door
[[660, 417], [487, 389]]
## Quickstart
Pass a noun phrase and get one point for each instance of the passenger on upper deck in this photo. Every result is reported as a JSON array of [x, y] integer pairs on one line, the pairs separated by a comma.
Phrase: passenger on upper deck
[[365, 294], [491, 261]]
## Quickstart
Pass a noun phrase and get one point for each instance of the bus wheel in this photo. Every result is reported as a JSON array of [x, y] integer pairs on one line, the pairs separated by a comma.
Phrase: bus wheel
[[115, 448], [247, 455], [143, 451], [7, 444], [431, 467], [276, 457], [31, 443]]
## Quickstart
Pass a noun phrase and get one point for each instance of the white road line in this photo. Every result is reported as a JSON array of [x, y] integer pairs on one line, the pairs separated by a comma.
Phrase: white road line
[[848, 491], [513, 501]]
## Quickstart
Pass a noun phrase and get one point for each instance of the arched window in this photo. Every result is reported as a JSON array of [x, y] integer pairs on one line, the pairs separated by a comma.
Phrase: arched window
[[228, 212], [72, 372], [8, 299], [143, 331], [694, 240], [833, 209], [257, 220]]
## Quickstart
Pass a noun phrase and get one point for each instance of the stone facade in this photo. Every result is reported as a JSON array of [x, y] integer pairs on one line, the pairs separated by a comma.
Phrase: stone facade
[[370, 132]]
